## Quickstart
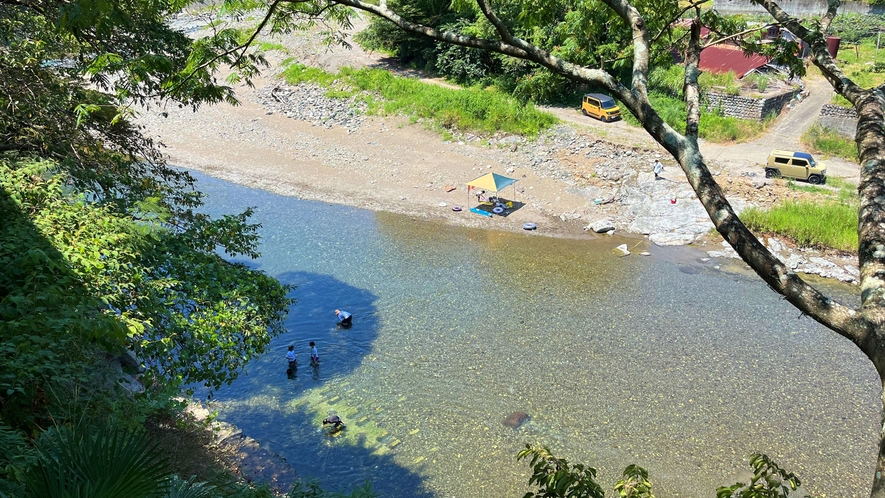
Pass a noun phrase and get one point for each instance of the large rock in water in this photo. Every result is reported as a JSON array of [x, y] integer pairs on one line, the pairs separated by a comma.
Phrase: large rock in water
[[516, 419]]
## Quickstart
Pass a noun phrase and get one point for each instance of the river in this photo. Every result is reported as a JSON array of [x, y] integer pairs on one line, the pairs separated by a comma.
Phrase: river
[[663, 361]]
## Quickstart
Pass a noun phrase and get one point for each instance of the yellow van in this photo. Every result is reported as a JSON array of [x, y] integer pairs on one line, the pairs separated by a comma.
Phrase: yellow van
[[798, 165], [600, 107]]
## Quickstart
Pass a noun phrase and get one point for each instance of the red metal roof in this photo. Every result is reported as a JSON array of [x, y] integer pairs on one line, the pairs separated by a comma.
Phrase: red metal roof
[[722, 59]]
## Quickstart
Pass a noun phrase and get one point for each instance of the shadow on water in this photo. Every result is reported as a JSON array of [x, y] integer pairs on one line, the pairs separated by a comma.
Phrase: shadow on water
[[285, 410], [340, 460]]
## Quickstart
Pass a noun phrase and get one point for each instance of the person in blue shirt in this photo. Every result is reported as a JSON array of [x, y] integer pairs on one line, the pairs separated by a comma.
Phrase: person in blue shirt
[[314, 355], [344, 318]]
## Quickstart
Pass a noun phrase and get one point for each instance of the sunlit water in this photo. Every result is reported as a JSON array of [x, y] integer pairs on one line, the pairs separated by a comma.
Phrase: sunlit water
[[675, 366]]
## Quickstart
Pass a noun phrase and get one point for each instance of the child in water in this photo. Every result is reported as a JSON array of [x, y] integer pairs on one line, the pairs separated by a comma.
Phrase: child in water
[[290, 357], [314, 355]]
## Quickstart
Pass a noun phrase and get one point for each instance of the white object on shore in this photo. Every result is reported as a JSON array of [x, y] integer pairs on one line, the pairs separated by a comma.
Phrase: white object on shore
[[442, 204], [623, 249]]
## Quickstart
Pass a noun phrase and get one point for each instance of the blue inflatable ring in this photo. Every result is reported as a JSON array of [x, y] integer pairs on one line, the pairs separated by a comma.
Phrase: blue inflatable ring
[[498, 210], [529, 226], [456, 208]]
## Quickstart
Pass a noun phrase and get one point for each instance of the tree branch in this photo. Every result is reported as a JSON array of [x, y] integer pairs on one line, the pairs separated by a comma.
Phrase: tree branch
[[691, 92]]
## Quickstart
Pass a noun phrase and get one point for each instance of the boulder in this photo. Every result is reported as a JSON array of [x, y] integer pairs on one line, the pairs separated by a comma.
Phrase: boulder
[[602, 226], [516, 419]]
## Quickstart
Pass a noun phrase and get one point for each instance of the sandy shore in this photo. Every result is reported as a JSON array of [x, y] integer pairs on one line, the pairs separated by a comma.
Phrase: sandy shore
[[297, 142]]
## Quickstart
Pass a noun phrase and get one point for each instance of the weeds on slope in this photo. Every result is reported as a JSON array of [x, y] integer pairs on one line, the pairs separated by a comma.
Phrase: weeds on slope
[[474, 109]]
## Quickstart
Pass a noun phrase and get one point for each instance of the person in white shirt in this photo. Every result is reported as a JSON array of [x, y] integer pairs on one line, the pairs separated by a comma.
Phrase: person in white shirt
[[291, 358]]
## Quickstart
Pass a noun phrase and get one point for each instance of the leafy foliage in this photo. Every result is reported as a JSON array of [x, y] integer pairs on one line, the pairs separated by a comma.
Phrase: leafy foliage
[[634, 483], [768, 481], [105, 462], [556, 477], [81, 280], [582, 32]]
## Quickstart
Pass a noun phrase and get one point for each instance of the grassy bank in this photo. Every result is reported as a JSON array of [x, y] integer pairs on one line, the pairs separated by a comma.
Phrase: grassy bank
[[478, 110], [828, 223], [828, 141], [713, 127]]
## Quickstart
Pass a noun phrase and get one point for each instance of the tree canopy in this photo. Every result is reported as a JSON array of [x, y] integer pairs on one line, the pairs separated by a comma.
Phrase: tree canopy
[[103, 249]]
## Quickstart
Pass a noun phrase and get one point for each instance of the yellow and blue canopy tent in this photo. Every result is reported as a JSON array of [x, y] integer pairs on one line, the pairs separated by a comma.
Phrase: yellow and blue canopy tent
[[491, 182]]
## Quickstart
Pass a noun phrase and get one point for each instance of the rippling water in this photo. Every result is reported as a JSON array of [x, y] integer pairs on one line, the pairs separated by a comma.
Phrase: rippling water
[[664, 362]]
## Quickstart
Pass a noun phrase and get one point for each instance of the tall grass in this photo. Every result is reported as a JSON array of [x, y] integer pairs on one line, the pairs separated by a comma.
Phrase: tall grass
[[831, 224], [473, 109], [829, 141], [713, 126], [669, 80]]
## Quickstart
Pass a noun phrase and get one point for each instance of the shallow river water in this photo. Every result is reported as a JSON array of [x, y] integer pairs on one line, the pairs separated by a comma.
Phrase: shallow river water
[[661, 361]]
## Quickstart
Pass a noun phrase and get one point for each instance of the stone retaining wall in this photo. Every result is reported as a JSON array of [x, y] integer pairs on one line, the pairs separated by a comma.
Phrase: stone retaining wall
[[747, 107], [796, 7], [838, 111], [841, 119]]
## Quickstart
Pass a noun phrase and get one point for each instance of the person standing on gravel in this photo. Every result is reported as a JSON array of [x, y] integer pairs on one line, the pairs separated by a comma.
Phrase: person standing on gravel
[[658, 168]]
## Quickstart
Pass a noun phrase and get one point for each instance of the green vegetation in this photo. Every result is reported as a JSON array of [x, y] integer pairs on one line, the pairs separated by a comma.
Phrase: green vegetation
[[115, 292], [558, 478], [713, 125], [665, 83], [858, 57], [471, 109], [830, 224], [829, 141]]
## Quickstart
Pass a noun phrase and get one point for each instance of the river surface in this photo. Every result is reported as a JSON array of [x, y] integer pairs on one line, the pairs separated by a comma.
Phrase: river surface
[[662, 361]]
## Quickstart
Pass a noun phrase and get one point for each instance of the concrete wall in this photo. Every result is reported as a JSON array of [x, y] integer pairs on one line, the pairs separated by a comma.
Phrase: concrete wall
[[795, 7], [749, 108], [841, 119]]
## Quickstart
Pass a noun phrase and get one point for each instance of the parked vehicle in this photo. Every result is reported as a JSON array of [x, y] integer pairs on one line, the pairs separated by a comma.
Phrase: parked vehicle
[[797, 165], [600, 107]]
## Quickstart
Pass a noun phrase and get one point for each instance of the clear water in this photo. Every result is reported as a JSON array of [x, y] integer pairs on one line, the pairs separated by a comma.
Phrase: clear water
[[675, 366]]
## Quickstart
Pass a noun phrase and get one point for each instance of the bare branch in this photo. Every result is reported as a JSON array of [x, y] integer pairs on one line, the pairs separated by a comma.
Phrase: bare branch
[[691, 5], [736, 35], [257, 30]]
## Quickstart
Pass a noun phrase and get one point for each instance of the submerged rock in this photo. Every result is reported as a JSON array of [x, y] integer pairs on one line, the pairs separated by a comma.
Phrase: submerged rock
[[516, 419]]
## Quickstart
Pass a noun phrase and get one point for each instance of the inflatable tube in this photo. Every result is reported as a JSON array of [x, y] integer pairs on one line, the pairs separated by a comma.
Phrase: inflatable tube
[[456, 208], [498, 210], [529, 226]]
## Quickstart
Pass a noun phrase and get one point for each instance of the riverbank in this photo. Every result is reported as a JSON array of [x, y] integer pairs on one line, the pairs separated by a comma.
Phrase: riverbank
[[293, 140]]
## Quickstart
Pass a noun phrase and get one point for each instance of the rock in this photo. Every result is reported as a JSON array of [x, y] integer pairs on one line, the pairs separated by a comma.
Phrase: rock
[[516, 419], [793, 261], [601, 226], [774, 245], [671, 239], [759, 183], [623, 249]]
